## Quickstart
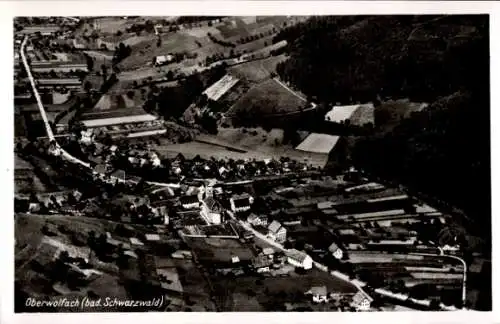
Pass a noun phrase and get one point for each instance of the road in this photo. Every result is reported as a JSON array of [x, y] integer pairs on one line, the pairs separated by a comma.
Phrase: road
[[58, 150], [280, 247], [464, 283], [50, 134]]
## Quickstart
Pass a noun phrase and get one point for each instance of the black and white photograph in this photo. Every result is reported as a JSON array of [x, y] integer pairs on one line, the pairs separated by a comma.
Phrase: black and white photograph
[[274, 163]]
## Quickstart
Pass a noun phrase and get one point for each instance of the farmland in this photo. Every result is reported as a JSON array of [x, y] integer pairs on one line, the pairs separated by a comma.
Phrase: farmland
[[258, 70], [267, 98], [270, 291]]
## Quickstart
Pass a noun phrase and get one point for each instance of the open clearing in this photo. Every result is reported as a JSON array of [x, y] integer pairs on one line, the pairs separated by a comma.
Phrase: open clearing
[[258, 70], [267, 98], [250, 143], [233, 293]]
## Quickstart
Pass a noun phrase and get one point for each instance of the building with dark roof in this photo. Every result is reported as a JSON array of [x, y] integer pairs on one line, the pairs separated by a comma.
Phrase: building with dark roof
[[241, 203], [190, 202]]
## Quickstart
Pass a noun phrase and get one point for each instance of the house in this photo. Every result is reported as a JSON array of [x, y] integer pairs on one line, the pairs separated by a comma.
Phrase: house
[[163, 59], [367, 187], [336, 251], [261, 263], [256, 220], [319, 294], [131, 254], [299, 259], [160, 213], [277, 232], [211, 210], [152, 237], [325, 205], [190, 202], [118, 175], [135, 241], [241, 203], [33, 207], [269, 252], [361, 301]]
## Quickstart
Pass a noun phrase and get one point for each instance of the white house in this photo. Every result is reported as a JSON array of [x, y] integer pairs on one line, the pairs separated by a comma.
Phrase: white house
[[163, 59], [277, 232], [211, 210], [256, 220], [361, 301], [299, 259], [319, 294], [152, 237], [336, 251]]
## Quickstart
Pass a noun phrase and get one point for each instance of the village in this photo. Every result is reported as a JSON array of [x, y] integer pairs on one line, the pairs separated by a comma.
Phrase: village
[[116, 199]]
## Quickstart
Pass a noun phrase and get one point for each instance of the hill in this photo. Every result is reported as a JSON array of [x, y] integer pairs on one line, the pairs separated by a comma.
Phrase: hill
[[442, 150]]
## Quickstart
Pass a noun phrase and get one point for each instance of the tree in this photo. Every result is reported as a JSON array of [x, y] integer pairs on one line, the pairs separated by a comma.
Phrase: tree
[[104, 70], [87, 86], [90, 62]]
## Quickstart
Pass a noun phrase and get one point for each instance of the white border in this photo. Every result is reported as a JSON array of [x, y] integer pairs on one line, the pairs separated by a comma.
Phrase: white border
[[172, 8]]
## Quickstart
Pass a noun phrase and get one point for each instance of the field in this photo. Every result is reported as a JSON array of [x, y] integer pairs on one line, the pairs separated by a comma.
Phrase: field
[[218, 250], [257, 70], [260, 146], [267, 98], [144, 52], [363, 115], [253, 294]]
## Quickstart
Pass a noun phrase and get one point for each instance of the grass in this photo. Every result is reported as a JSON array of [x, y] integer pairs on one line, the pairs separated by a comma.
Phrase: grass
[[244, 293], [258, 70], [267, 98], [144, 52]]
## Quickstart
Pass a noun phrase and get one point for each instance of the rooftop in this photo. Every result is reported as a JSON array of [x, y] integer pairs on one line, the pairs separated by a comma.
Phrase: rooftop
[[296, 255], [119, 120], [274, 226], [318, 143], [317, 290]]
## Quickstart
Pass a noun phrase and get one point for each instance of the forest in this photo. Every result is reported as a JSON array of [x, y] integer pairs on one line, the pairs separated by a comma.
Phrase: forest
[[442, 151]]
